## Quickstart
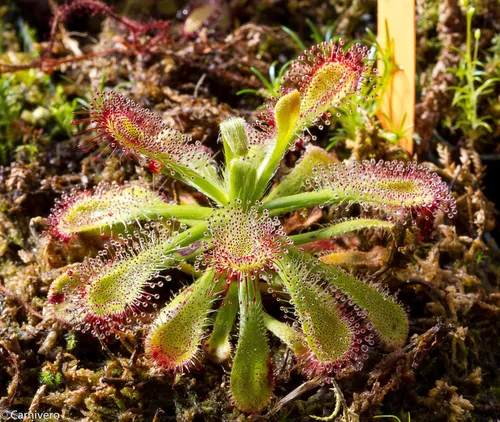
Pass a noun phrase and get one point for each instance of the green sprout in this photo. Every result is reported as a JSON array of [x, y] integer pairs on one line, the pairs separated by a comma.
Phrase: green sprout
[[71, 341], [392, 417], [271, 86], [316, 36], [237, 247], [473, 84], [48, 378]]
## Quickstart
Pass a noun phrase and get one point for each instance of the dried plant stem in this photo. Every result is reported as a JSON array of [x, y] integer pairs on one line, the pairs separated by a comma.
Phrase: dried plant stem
[[339, 403], [436, 97]]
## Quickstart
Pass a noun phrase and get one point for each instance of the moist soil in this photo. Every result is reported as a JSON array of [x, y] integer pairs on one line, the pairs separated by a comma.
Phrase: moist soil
[[448, 281]]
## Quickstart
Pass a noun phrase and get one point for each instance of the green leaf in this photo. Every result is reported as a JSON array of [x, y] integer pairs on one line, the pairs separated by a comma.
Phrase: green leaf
[[387, 316], [248, 91], [329, 335], [251, 375], [294, 181], [110, 205], [241, 173], [287, 112], [175, 336], [206, 181], [262, 78], [234, 138], [218, 346], [282, 71], [300, 200], [339, 229], [127, 126], [63, 286], [294, 37], [287, 334], [392, 186], [116, 284], [315, 34]]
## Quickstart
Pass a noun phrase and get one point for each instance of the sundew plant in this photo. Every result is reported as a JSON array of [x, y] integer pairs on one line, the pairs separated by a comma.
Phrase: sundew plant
[[237, 247]]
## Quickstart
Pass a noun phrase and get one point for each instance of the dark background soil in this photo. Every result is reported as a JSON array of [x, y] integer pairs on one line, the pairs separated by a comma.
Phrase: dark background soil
[[449, 282]]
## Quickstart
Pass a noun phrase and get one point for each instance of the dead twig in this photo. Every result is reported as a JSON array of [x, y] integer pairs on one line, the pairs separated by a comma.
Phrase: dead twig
[[340, 403], [437, 97], [12, 389], [303, 388], [35, 403], [27, 307]]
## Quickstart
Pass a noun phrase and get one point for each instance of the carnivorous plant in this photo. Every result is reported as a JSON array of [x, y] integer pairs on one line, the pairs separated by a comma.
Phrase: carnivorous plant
[[237, 246]]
